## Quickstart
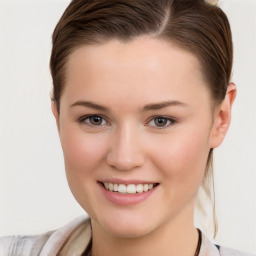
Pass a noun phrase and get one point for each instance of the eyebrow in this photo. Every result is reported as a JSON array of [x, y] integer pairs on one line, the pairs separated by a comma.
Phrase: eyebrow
[[165, 104], [90, 105], [152, 106]]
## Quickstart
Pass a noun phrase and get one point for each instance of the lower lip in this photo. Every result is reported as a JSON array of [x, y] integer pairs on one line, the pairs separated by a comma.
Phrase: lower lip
[[127, 199]]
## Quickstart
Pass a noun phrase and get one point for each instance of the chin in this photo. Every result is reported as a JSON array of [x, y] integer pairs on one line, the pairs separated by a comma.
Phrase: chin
[[128, 231], [125, 226]]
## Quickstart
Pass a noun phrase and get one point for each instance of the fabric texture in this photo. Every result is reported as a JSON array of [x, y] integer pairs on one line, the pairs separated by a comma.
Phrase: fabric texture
[[74, 238]]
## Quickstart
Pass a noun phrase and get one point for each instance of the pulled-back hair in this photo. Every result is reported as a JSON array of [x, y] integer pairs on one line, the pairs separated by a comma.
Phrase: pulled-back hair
[[193, 25]]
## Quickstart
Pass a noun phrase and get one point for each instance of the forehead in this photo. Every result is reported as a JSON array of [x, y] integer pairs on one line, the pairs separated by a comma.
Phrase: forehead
[[153, 52], [144, 65]]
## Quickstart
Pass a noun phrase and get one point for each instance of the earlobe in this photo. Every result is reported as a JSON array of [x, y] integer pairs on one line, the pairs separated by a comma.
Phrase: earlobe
[[56, 114], [222, 117]]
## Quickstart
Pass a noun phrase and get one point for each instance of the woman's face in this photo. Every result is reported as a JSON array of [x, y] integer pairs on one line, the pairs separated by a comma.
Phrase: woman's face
[[137, 114]]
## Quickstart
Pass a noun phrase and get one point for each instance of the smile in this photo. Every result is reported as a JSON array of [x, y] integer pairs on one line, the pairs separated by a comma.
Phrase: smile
[[130, 188]]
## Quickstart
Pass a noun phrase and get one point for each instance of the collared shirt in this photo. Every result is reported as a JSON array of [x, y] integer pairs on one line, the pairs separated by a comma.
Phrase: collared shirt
[[74, 238]]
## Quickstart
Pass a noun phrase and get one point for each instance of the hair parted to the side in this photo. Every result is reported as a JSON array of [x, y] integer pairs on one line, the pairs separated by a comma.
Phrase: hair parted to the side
[[194, 25]]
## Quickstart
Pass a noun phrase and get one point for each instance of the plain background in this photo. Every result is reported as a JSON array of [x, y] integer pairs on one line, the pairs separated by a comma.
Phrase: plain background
[[34, 195]]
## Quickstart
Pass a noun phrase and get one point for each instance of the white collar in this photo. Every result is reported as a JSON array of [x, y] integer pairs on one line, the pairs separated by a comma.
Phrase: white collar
[[73, 239]]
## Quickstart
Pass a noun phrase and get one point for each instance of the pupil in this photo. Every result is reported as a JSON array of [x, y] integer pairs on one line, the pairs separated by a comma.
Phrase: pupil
[[160, 121], [96, 120]]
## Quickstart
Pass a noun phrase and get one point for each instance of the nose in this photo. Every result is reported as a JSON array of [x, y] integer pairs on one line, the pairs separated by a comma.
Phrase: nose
[[126, 151]]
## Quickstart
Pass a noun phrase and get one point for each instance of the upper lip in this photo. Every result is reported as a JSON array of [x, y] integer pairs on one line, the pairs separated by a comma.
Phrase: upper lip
[[127, 182]]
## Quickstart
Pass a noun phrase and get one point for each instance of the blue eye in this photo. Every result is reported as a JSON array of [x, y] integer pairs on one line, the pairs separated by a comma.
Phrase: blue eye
[[93, 120], [161, 122]]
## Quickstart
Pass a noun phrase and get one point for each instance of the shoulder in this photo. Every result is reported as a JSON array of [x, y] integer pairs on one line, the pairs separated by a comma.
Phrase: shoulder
[[48, 243], [231, 252], [208, 248], [23, 245]]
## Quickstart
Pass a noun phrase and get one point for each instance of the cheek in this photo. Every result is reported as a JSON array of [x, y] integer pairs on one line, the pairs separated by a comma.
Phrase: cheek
[[82, 152], [185, 157], [192, 151], [187, 164]]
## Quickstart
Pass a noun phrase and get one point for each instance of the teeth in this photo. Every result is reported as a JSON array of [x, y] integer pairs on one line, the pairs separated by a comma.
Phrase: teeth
[[121, 188], [128, 189], [110, 187], [139, 188], [145, 187], [131, 189]]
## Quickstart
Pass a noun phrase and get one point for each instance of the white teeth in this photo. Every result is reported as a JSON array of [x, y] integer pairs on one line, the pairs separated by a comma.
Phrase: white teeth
[[139, 188], [128, 189], [122, 189], [131, 189], [145, 187], [110, 187]]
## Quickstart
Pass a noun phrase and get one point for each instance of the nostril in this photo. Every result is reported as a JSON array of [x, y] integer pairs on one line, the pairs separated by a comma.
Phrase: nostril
[[124, 161], [125, 152]]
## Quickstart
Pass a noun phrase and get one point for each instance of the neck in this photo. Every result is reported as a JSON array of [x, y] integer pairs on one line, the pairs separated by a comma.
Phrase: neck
[[177, 237]]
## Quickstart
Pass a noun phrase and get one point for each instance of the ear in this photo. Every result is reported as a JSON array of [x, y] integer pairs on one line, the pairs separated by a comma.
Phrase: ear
[[56, 115], [222, 117]]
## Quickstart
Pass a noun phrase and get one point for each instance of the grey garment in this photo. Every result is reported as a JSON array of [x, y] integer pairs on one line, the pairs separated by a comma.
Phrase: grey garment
[[74, 238], [23, 245], [210, 249], [70, 240]]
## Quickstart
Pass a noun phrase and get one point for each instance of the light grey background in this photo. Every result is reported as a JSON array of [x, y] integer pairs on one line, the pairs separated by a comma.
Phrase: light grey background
[[34, 195]]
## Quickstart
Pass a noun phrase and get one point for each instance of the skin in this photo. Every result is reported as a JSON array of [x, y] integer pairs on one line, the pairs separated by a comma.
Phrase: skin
[[128, 144]]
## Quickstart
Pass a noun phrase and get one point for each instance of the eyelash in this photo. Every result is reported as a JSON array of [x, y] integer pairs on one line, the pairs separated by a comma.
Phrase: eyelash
[[83, 119], [169, 120]]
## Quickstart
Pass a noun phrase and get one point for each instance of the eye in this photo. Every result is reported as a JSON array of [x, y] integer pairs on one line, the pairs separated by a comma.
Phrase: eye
[[93, 120], [161, 122]]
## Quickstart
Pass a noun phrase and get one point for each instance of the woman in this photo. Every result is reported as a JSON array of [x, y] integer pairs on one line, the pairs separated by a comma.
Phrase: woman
[[142, 95]]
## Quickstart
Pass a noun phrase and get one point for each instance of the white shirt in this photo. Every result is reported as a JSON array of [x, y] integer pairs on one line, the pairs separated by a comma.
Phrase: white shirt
[[73, 239]]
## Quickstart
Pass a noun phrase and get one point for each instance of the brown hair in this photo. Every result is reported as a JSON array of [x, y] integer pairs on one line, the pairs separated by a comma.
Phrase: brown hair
[[194, 25]]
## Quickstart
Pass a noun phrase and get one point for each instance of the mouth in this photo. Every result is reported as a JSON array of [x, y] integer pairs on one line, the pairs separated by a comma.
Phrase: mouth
[[128, 188]]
